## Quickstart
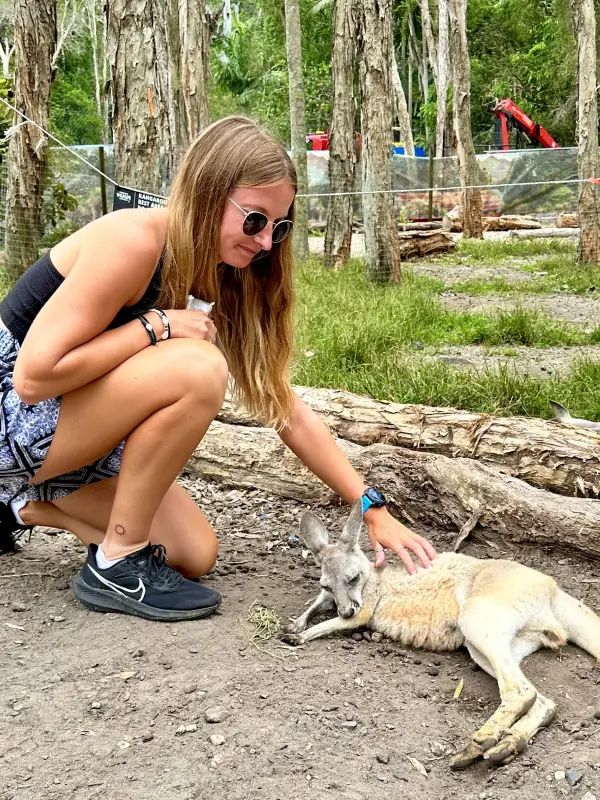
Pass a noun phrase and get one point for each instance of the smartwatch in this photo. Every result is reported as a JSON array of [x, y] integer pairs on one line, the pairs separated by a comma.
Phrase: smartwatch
[[373, 498]]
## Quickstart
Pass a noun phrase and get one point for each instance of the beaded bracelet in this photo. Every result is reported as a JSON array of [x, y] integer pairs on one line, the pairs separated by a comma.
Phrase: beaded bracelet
[[167, 331], [149, 328]]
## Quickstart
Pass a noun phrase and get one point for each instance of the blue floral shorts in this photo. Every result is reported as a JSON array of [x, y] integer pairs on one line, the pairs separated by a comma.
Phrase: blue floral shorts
[[26, 432]]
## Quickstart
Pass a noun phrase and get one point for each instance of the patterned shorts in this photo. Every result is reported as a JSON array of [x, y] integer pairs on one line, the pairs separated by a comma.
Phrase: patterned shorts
[[26, 433]]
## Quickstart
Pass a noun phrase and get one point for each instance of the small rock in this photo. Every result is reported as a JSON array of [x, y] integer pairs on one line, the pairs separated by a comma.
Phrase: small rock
[[573, 776], [357, 636], [191, 728], [180, 730], [96, 704], [438, 749], [559, 776], [383, 758], [217, 739], [366, 636], [138, 653], [147, 736], [588, 796], [263, 696], [376, 637], [57, 619], [18, 607], [597, 715], [215, 714], [193, 649], [190, 689], [218, 759], [350, 724], [123, 745], [433, 671], [126, 675]]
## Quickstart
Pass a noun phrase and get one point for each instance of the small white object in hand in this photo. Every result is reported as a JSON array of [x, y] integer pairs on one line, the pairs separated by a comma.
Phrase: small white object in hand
[[199, 305]]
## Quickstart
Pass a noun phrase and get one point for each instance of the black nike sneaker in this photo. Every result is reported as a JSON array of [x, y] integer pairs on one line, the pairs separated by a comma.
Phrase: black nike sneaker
[[10, 530], [143, 584]]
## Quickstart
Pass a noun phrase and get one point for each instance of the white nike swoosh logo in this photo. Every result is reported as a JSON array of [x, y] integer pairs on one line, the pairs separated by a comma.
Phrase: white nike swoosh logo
[[122, 589]]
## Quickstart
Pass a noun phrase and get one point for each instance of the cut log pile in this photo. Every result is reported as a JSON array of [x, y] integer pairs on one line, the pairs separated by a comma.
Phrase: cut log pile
[[453, 221], [527, 480]]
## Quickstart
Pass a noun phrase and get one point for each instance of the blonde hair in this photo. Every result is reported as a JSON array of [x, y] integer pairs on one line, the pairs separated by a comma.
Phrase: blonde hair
[[253, 306]]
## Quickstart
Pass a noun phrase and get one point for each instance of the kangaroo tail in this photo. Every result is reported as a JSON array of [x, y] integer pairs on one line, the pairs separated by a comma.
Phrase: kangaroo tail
[[580, 622], [560, 412]]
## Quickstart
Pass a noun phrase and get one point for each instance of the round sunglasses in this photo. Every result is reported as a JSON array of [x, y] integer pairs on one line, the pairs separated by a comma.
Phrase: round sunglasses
[[256, 221]]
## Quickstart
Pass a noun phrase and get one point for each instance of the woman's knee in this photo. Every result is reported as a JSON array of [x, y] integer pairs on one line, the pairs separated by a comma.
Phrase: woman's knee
[[199, 558], [201, 367]]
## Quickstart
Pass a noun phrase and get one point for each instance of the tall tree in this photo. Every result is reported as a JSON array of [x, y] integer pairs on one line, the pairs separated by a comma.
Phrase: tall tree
[[442, 78], [35, 36], [196, 26], [342, 146], [375, 45], [293, 42], [143, 133], [461, 80], [584, 19], [401, 109]]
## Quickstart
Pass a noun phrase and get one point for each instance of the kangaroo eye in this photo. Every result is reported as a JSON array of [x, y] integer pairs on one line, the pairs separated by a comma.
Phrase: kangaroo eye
[[354, 579]]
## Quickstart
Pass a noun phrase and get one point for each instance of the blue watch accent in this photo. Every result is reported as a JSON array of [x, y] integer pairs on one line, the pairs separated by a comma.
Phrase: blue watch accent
[[372, 497]]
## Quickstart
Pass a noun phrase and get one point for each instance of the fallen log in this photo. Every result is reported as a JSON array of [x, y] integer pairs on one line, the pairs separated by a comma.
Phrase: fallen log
[[510, 222], [557, 457], [418, 244], [545, 233], [434, 225], [430, 491], [565, 220]]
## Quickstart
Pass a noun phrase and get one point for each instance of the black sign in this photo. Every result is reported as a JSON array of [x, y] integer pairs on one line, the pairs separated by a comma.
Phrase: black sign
[[132, 198]]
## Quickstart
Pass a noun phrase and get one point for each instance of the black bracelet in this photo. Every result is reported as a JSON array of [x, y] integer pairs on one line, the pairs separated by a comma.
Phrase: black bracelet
[[149, 328]]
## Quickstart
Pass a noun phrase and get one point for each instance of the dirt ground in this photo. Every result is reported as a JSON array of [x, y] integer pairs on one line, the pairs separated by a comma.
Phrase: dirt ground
[[92, 703]]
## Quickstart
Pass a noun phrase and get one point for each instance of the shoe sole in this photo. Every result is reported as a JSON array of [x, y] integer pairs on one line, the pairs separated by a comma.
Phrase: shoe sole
[[106, 601]]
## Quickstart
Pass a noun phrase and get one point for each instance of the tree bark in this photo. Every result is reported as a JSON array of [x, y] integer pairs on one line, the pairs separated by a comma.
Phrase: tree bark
[[563, 459], [293, 46], [584, 20], [375, 37], [442, 79], [429, 39], [401, 109], [195, 34], [342, 145], [138, 55], [35, 42], [467, 162], [430, 491]]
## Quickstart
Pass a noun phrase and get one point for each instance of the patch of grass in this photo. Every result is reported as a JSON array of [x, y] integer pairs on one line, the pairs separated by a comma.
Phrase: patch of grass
[[492, 251], [503, 392], [350, 323]]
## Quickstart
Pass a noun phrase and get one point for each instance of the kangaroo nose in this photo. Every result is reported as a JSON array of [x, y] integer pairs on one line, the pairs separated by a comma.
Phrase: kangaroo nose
[[347, 612]]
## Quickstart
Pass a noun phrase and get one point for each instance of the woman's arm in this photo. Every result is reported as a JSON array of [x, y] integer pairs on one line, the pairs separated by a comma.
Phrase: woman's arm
[[309, 438], [67, 345]]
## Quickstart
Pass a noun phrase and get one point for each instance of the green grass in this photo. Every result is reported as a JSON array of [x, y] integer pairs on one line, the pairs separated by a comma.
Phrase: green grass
[[367, 338], [493, 252]]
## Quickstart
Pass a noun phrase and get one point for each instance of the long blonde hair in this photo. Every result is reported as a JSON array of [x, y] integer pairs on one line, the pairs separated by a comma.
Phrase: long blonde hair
[[253, 306]]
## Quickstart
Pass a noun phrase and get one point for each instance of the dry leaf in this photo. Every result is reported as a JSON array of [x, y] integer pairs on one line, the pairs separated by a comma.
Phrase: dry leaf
[[417, 765], [14, 627], [127, 675], [459, 688]]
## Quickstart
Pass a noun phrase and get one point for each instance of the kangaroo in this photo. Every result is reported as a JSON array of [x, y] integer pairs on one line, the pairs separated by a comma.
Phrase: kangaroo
[[562, 415], [500, 610]]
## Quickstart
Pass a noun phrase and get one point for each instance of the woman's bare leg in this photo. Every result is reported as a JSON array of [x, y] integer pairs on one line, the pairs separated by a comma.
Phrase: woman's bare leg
[[161, 401], [179, 525]]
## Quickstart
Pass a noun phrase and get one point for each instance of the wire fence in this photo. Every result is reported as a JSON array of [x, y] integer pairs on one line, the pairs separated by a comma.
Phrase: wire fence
[[537, 183]]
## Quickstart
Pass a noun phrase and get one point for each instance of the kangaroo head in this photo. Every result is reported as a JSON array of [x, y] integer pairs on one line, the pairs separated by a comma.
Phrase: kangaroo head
[[344, 566]]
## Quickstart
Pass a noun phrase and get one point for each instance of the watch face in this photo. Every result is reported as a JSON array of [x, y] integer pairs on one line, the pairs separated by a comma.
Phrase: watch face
[[375, 496]]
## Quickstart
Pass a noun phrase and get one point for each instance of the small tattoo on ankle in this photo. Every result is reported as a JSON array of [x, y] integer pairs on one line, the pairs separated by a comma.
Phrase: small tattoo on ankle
[[120, 529]]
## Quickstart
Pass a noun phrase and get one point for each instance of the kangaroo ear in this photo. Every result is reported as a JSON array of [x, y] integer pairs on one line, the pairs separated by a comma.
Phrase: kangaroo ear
[[353, 525], [314, 534]]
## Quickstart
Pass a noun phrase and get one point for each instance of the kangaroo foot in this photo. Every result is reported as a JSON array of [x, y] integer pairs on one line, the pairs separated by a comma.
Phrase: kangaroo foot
[[294, 639], [467, 756], [512, 745]]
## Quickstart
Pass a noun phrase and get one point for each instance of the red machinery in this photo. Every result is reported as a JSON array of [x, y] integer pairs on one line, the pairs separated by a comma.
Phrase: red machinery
[[508, 113]]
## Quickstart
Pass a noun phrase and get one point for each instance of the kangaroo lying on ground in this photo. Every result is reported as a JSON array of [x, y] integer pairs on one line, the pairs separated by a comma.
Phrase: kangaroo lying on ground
[[500, 610]]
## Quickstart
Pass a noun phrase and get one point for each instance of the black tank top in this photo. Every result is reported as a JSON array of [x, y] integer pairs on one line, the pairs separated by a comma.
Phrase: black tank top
[[37, 285]]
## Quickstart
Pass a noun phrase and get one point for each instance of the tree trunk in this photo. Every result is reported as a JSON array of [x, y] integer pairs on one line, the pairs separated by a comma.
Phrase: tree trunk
[[442, 79], [401, 109], [35, 42], [92, 19], [342, 145], [584, 20], [430, 40], [143, 130], [430, 491], [461, 79], [293, 46], [563, 459], [195, 32], [375, 36]]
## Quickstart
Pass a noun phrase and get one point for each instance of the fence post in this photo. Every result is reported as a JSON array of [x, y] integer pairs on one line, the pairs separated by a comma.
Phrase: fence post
[[102, 180], [430, 201]]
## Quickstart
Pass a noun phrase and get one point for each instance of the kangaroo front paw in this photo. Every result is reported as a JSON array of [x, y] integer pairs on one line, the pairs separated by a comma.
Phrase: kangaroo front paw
[[295, 626], [294, 639]]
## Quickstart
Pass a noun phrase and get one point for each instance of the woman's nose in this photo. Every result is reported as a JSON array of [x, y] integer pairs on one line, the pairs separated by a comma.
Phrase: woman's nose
[[265, 237]]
